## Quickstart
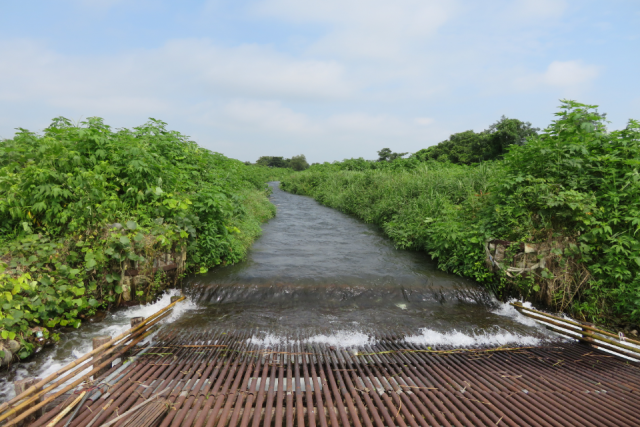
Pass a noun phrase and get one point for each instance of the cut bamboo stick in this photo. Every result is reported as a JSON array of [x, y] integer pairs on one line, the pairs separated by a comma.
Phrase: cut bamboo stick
[[64, 390], [544, 317], [95, 369], [75, 383], [66, 410], [77, 362], [519, 306], [135, 408]]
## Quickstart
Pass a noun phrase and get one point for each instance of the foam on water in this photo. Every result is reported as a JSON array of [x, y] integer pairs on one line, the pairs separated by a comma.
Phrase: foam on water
[[113, 325], [340, 338], [507, 310], [430, 337]]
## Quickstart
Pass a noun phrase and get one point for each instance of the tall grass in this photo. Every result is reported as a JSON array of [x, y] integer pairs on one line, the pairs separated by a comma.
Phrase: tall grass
[[419, 209]]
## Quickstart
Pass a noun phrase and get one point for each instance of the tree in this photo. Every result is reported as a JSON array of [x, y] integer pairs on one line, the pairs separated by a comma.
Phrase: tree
[[274, 162], [386, 155], [474, 147], [298, 163]]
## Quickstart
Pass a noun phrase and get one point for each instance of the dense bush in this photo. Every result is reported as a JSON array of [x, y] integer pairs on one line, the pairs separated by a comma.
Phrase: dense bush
[[576, 184], [79, 202], [297, 163], [474, 147]]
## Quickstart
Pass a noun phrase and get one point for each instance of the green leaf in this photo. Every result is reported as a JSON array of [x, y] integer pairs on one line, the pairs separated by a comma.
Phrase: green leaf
[[124, 240], [131, 225], [138, 237], [118, 289]]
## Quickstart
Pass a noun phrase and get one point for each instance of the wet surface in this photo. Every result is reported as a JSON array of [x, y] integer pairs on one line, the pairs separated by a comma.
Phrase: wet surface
[[322, 275], [318, 271]]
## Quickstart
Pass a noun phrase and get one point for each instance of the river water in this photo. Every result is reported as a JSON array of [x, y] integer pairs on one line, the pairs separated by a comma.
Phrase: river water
[[320, 275]]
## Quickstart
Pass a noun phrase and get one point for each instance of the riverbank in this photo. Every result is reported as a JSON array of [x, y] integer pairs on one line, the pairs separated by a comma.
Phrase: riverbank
[[554, 222], [92, 218]]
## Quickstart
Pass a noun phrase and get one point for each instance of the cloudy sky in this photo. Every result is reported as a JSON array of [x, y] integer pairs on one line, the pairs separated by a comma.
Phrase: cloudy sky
[[331, 79]]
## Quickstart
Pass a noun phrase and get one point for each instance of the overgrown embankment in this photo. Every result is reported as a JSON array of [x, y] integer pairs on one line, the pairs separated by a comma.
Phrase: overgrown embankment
[[91, 218], [555, 221]]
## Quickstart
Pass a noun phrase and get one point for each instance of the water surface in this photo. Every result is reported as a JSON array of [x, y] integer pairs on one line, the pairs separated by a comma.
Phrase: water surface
[[316, 271], [319, 275]]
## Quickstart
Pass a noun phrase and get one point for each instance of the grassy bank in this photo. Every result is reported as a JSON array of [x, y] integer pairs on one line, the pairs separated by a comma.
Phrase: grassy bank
[[555, 221], [80, 205]]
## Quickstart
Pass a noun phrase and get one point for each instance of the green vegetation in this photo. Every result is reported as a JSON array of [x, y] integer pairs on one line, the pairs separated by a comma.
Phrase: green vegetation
[[471, 147], [386, 155], [80, 204], [572, 193], [297, 163]]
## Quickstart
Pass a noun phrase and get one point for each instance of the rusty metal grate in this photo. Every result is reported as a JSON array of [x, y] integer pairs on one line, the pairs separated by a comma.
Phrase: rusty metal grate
[[218, 379]]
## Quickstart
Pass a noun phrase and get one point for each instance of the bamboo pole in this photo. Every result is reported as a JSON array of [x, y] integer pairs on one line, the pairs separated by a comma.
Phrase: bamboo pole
[[583, 335], [596, 345], [65, 389], [149, 322], [135, 408], [67, 409], [77, 362], [520, 307], [61, 381]]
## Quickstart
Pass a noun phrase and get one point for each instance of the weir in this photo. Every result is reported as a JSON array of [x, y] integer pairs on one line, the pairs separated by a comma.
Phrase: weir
[[221, 377]]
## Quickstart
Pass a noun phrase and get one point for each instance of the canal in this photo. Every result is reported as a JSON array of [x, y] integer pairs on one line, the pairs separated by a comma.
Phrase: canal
[[320, 275]]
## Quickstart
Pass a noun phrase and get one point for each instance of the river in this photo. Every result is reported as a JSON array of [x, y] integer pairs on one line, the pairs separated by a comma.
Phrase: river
[[324, 276]]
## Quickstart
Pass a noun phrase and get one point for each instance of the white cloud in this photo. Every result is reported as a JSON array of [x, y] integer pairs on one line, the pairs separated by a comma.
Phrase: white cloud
[[255, 70], [568, 75], [256, 124], [365, 28], [179, 69], [367, 124], [265, 115], [273, 117]]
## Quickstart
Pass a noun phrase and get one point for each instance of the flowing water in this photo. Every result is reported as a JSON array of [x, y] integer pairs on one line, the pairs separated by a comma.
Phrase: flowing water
[[323, 275], [316, 272]]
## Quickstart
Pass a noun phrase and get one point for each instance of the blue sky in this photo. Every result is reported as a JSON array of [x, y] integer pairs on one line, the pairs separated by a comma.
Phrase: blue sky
[[330, 79]]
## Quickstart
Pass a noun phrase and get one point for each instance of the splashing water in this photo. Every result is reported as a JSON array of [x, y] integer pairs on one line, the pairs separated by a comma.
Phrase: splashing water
[[78, 342]]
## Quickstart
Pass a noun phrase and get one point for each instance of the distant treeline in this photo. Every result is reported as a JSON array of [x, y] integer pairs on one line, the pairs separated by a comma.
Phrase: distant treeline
[[297, 163], [465, 148], [474, 147]]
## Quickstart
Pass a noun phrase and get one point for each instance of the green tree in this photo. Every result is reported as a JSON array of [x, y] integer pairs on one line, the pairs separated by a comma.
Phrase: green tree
[[298, 163], [274, 162], [473, 147], [386, 155]]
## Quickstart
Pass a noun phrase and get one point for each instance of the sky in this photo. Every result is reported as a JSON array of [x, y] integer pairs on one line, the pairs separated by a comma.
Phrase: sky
[[331, 79]]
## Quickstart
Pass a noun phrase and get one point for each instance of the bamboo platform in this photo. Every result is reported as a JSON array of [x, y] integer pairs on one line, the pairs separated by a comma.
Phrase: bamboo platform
[[225, 378], [219, 379]]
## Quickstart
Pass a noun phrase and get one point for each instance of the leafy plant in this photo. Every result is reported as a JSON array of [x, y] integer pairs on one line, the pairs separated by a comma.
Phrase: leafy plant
[[81, 204]]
